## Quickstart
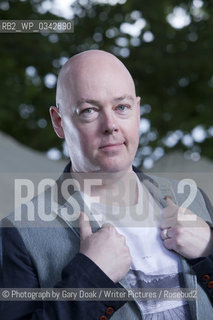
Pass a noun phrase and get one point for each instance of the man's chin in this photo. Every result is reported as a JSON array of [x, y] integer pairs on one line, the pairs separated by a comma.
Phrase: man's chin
[[115, 168]]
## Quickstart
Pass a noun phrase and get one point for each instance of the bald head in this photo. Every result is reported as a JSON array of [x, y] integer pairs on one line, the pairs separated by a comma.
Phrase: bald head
[[83, 68], [99, 113]]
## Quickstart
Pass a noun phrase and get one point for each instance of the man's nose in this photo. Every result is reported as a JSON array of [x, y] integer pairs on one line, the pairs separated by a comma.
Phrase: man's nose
[[109, 124]]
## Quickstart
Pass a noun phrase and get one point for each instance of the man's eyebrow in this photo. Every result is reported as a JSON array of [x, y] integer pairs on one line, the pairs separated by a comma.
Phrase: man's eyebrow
[[98, 103], [90, 101], [125, 97]]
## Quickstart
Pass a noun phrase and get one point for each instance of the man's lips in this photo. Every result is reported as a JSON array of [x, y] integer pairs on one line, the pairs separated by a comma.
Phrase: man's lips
[[111, 146]]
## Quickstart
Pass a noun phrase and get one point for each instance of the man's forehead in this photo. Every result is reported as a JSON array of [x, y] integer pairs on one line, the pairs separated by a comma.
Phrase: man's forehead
[[94, 76], [94, 84]]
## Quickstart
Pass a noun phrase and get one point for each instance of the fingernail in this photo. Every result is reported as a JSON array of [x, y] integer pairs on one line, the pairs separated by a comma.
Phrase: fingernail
[[168, 197]]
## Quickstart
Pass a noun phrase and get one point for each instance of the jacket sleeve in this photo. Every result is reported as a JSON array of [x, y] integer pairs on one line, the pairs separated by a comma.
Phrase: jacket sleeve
[[18, 271], [203, 267]]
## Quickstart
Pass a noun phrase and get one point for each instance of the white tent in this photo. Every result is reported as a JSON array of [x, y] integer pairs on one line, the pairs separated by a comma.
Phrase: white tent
[[176, 166], [20, 162]]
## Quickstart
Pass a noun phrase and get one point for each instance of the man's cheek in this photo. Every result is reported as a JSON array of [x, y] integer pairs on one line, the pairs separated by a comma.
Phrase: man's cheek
[[88, 149]]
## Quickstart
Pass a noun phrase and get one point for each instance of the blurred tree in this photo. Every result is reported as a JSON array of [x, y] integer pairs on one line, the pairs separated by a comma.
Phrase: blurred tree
[[167, 46]]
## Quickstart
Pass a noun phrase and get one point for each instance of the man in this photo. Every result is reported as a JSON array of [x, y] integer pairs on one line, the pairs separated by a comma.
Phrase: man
[[98, 114]]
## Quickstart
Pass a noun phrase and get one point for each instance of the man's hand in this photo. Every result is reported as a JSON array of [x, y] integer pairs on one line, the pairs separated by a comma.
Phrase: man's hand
[[106, 247], [192, 239]]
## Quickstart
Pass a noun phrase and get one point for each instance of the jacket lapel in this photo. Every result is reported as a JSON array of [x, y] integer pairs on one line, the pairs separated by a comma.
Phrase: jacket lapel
[[159, 191]]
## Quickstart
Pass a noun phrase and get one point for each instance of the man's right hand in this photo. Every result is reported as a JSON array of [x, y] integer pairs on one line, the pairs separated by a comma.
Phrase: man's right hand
[[106, 247]]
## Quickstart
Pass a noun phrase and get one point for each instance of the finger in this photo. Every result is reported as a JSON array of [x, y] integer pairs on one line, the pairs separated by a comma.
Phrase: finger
[[123, 238], [165, 233], [168, 223], [107, 225], [170, 244], [84, 226], [169, 200], [169, 211]]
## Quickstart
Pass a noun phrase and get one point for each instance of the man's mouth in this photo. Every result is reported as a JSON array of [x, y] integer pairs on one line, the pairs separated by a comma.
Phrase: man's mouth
[[111, 146]]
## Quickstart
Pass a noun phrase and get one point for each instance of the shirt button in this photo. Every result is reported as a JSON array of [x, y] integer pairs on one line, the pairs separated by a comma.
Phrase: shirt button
[[103, 318], [205, 277], [109, 310], [210, 284]]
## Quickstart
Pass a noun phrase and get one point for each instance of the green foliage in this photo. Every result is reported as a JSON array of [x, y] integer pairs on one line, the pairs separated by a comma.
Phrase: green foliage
[[173, 72]]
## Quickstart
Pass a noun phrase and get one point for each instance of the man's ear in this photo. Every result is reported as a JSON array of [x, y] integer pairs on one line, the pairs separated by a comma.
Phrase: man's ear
[[138, 101], [56, 121]]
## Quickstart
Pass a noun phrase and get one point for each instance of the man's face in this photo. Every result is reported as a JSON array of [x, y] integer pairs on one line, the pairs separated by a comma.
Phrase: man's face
[[101, 118]]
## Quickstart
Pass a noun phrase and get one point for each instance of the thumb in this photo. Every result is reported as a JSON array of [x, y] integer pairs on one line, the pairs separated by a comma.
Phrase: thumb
[[84, 226], [169, 201]]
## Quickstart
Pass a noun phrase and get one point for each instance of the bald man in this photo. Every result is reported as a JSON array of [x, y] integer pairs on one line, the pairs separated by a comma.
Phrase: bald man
[[117, 242], [97, 113]]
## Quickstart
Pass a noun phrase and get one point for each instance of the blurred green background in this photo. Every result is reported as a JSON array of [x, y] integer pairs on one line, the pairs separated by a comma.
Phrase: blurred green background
[[166, 45]]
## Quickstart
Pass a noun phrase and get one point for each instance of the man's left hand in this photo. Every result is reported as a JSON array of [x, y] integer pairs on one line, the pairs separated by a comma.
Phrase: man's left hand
[[190, 239]]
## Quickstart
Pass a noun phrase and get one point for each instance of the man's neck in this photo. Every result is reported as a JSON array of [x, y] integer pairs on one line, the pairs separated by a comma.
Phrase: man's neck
[[110, 188]]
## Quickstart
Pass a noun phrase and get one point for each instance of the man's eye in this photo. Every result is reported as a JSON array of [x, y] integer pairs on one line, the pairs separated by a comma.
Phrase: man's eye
[[88, 114], [88, 110], [123, 107]]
